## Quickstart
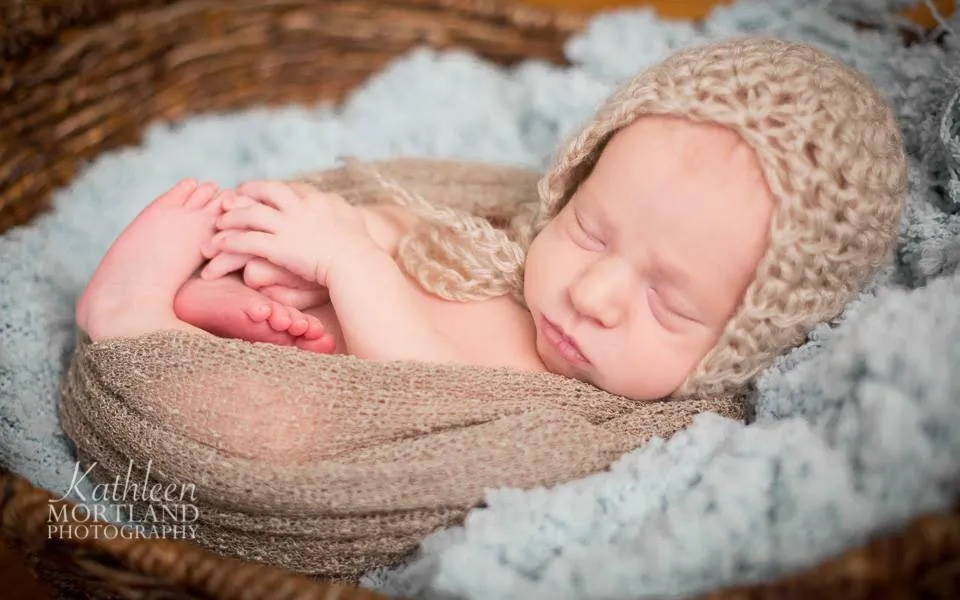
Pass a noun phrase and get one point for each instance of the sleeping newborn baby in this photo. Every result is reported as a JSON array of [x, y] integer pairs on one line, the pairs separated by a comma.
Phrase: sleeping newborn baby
[[718, 206], [628, 274]]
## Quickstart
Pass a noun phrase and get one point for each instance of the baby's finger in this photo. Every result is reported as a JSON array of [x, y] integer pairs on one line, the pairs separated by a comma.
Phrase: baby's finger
[[224, 264], [275, 193], [234, 201], [256, 243], [306, 190], [208, 249], [257, 217], [297, 298]]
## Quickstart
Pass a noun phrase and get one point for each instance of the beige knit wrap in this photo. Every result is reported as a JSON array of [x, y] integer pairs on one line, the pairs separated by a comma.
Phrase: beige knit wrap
[[331, 465], [832, 154]]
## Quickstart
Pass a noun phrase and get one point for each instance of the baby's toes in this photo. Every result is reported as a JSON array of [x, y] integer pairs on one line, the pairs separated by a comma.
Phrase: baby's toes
[[315, 329], [325, 345], [299, 323], [280, 319], [258, 311]]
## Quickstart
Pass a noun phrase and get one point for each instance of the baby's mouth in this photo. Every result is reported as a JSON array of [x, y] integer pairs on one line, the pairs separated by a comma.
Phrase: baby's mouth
[[564, 345]]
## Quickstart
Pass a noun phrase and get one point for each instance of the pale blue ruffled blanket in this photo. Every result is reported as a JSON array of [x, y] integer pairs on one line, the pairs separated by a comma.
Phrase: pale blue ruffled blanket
[[855, 432]]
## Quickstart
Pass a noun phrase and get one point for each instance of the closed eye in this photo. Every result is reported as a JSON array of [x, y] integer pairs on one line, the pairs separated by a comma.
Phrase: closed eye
[[661, 306], [589, 239]]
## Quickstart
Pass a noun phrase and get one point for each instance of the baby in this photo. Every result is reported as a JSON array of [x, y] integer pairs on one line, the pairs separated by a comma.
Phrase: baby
[[719, 206]]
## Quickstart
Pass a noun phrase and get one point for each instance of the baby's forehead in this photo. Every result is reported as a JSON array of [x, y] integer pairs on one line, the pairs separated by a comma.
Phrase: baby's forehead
[[685, 141], [657, 154]]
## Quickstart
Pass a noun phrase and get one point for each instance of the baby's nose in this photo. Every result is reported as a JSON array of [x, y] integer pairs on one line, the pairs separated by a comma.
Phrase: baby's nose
[[601, 295], [604, 312]]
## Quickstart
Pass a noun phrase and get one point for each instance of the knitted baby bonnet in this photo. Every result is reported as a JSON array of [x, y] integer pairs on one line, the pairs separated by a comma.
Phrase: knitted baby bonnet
[[833, 158]]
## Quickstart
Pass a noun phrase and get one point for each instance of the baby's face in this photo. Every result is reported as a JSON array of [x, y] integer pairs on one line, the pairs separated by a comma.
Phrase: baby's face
[[635, 279]]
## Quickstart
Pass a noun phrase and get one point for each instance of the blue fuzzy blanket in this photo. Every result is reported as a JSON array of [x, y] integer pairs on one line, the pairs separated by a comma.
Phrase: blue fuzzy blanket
[[855, 432]]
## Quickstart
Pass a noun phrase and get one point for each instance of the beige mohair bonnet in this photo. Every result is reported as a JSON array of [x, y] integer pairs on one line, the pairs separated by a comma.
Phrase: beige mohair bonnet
[[833, 158]]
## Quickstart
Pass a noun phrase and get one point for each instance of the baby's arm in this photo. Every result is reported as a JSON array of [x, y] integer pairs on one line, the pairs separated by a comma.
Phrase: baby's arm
[[379, 313]]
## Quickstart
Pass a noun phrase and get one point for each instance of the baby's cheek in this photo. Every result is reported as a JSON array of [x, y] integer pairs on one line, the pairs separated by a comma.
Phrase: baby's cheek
[[559, 260], [535, 269], [646, 364]]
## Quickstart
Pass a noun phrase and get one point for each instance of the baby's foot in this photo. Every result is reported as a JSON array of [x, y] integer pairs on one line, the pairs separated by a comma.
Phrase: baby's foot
[[228, 308], [131, 293]]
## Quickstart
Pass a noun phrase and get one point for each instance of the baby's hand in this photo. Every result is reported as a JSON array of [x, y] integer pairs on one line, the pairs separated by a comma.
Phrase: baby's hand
[[294, 226], [220, 263]]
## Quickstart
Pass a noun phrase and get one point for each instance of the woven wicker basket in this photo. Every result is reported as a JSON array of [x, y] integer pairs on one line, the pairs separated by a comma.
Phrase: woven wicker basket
[[79, 77]]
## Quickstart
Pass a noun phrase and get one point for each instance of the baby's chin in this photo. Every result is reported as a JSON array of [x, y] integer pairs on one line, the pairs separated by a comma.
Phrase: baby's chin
[[553, 365], [594, 377]]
